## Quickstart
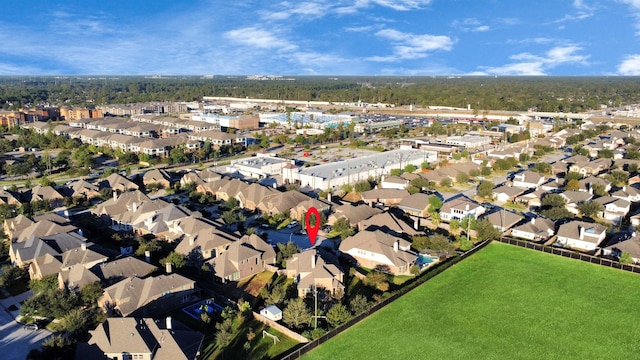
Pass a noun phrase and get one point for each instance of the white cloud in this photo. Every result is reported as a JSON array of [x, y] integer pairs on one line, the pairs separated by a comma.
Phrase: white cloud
[[582, 11], [470, 24], [412, 46], [258, 38], [398, 5], [531, 64], [635, 8], [630, 65], [308, 10]]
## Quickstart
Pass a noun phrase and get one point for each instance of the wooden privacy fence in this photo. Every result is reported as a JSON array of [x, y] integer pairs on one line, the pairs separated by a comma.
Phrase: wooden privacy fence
[[570, 254], [410, 285]]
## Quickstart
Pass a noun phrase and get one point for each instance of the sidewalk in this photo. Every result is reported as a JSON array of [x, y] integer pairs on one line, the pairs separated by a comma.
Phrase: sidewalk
[[14, 300]]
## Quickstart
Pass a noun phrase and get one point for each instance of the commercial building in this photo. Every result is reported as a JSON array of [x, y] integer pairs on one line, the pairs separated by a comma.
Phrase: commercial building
[[333, 175]]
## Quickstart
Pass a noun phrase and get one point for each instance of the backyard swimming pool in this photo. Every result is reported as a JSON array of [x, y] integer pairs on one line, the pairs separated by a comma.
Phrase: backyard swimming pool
[[425, 260], [196, 309]]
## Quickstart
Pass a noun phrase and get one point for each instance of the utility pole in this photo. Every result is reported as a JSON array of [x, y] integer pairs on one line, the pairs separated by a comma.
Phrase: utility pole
[[315, 312]]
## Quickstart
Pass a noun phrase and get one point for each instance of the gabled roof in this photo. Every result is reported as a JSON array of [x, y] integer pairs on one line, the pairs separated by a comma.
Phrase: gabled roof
[[47, 264], [246, 248], [122, 268], [281, 202], [607, 200], [156, 175], [206, 240], [415, 202], [117, 181], [77, 276], [628, 244], [571, 230], [380, 243], [145, 336], [388, 223], [78, 256], [459, 203], [503, 219], [539, 226], [574, 197], [38, 193], [44, 228], [356, 213], [510, 191], [133, 293], [312, 265], [383, 194]]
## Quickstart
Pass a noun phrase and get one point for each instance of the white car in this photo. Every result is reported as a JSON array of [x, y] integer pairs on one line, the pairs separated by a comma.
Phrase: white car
[[292, 224]]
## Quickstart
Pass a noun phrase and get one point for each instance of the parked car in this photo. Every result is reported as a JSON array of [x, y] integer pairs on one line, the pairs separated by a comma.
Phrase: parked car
[[33, 327], [292, 224]]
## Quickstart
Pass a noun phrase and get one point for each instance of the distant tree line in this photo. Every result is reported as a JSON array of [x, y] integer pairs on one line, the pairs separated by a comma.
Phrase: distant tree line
[[567, 94]]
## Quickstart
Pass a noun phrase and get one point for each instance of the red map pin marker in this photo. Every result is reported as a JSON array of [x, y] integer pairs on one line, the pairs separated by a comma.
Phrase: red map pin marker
[[312, 231]]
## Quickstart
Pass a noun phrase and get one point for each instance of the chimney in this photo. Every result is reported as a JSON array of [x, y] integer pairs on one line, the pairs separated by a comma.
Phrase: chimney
[[624, 188], [135, 206], [533, 220], [83, 246], [396, 245], [590, 190], [313, 261], [416, 223], [115, 195], [147, 256], [168, 323], [329, 196], [191, 240], [581, 231], [168, 267]]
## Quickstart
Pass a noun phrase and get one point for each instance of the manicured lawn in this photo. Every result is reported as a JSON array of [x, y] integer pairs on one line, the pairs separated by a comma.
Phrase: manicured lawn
[[504, 302]]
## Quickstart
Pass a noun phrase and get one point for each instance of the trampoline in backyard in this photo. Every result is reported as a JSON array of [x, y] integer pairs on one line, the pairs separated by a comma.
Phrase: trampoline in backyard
[[208, 305]]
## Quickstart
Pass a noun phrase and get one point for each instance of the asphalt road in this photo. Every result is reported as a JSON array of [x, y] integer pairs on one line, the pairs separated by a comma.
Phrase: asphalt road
[[15, 341]]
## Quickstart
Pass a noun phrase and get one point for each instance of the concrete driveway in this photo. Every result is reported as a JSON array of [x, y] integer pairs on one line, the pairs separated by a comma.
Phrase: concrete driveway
[[15, 341]]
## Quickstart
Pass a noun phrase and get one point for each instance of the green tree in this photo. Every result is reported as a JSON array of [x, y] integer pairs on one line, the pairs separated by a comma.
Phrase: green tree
[[590, 209], [409, 168], [605, 153], [446, 182], [377, 280], [572, 176], [625, 258], [618, 177], [11, 275], [296, 314], [553, 200], [178, 260], [462, 178], [286, 251], [362, 186], [556, 213], [542, 168], [338, 315], [435, 203], [359, 304], [486, 231], [572, 185], [49, 282], [342, 227], [599, 189], [485, 189], [90, 293]]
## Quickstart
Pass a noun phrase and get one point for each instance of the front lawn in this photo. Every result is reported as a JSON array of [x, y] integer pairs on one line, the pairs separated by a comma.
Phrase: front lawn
[[504, 302]]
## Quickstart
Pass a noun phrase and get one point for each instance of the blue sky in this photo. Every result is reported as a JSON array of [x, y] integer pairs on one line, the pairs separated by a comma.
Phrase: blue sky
[[318, 37]]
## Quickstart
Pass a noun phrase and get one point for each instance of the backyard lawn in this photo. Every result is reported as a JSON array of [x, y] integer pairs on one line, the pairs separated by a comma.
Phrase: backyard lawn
[[504, 302]]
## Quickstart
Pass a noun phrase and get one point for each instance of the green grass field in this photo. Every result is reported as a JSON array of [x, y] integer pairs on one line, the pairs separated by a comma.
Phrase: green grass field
[[504, 302]]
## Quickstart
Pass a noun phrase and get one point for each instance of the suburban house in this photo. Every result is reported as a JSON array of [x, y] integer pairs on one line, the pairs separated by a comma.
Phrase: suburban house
[[587, 184], [615, 209], [141, 338], [82, 189], [553, 185], [389, 223], [394, 182], [281, 202], [593, 167], [120, 211], [528, 179], [47, 264], [353, 213], [316, 269], [119, 269], [155, 294], [117, 182], [9, 198], [536, 229], [574, 198], [250, 196], [581, 235], [388, 197], [628, 193], [372, 248], [533, 199], [44, 193], [209, 242], [159, 177], [245, 257], [14, 226], [503, 220], [506, 193], [76, 277], [416, 205], [23, 252], [459, 208], [624, 244]]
